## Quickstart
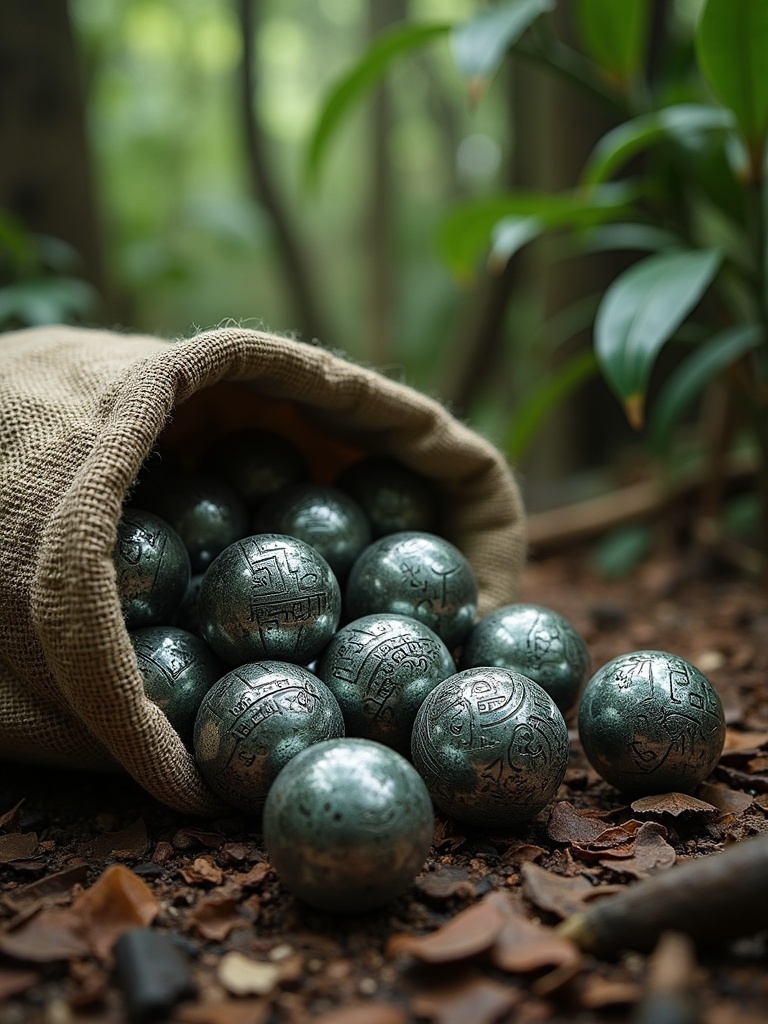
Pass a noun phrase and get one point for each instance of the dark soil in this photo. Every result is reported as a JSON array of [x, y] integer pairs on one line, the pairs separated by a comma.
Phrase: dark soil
[[209, 884]]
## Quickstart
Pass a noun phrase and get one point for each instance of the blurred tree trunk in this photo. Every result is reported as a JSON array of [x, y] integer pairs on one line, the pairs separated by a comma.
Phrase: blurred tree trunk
[[46, 177]]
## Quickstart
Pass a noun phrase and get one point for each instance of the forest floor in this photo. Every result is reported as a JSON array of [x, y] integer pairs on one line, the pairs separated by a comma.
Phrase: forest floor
[[84, 857]]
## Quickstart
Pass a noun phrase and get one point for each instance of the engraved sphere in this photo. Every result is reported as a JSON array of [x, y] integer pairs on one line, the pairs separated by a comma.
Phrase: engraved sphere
[[178, 670], [416, 574], [348, 825], [257, 463], [380, 668], [269, 596], [393, 496], [324, 517], [187, 614], [491, 746], [650, 722], [152, 567], [253, 721], [535, 641]]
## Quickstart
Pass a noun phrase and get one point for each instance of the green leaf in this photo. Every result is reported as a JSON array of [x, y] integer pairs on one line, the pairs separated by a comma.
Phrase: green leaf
[[640, 312], [48, 300], [731, 46], [544, 399], [361, 77], [615, 34], [508, 236], [635, 237], [480, 45], [627, 139], [689, 379], [620, 552]]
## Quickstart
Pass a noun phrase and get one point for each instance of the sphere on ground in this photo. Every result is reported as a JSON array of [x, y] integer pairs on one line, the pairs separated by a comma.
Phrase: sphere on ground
[[253, 721], [491, 746], [269, 596], [178, 670], [324, 517], [416, 574], [257, 463], [152, 567], [535, 641], [348, 825], [380, 668], [651, 722], [393, 496]]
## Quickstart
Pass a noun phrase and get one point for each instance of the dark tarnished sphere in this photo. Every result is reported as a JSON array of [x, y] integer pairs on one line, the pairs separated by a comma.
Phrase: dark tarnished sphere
[[393, 496], [348, 825], [188, 614], [207, 514], [380, 668], [491, 746], [269, 596], [326, 518], [535, 641], [178, 670], [253, 721], [415, 574], [650, 722], [152, 568], [257, 463]]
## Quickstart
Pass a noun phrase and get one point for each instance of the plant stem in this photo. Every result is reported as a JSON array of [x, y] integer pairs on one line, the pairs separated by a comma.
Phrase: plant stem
[[758, 407]]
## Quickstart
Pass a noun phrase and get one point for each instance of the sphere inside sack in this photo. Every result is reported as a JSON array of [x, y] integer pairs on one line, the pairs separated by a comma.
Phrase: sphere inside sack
[[348, 825], [491, 746], [269, 596], [253, 721], [380, 668], [152, 567], [535, 641], [393, 496], [257, 463], [651, 722], [326, 518], [178, 670], [416, 574]]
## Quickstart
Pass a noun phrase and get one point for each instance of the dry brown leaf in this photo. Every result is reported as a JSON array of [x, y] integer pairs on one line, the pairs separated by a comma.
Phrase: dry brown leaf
[[523, 945], [229, 1011], [14, 981], [674, 804], [46, 937], [186, 838], [558, 894], [738, 741], [216, 916], [470, 932], [9, 820], [17, 846], [202, 872], [651, 853], [595, 992], [56, 884], [567, 825], [444, 883], [128, 842], [253, 879], [519, 852], [242, 976], [470, 997], [725, 799], [364, 1013], [116, 902]]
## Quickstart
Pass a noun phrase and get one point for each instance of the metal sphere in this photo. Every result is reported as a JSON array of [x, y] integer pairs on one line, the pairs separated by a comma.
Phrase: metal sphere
[[393, 496], [348, 825], [650, 722], [491, 746], [178, 670], [535, 641], [187, 614], [253, 721], [415, 574], [380, 668], [257, 463], [152, 567], [324, 517], [269, 596]]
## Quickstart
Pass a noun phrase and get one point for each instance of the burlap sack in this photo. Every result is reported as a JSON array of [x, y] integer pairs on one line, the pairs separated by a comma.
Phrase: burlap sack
[[79, 412]]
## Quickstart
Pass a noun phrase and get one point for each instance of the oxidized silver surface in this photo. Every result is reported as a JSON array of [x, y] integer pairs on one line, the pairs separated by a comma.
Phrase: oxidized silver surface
[[348, 825], [269, 596], [178, 670], [152, 567], [393, 496], [416, 574], [380, 668], [257, 463], [491, 746], [535, 641], [187, 614], [325, 517], [650, 722], [253, 721]]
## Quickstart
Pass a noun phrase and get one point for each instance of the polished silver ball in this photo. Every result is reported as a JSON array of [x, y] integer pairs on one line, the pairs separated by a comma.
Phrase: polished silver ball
[[650, 722], [324, 517], [416, 574], [152, 568], [348, 825], [491, 746], [535, 641], [269, 596], [253, 721], [257, 463], [380, 668], [178, 670], [393, 496]]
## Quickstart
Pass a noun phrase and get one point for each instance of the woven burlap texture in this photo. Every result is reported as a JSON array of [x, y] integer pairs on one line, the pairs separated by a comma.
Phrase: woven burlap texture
[[79, 412]]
